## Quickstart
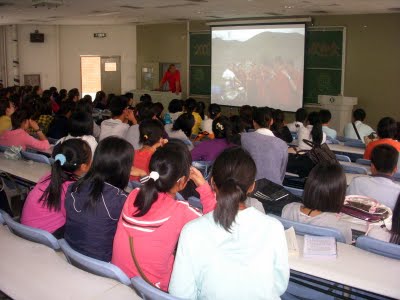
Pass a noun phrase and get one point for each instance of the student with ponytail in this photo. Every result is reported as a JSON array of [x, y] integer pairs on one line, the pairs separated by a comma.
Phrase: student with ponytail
[[152, 218], [234, 252], [312, 132], [44, 206]]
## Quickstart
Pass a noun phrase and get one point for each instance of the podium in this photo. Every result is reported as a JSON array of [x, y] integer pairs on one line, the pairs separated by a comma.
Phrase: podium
[[341, 108]]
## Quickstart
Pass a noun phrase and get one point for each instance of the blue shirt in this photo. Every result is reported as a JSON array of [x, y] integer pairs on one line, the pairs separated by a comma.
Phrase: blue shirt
[[329, 132]]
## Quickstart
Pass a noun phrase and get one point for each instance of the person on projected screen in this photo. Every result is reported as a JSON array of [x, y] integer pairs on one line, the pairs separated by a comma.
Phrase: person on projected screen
[[173, 77], [233, 86], [283, 86]]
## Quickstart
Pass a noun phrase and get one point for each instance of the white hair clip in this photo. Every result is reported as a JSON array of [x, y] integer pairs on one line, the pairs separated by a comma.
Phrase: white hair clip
[[153, 175], [220, 126]]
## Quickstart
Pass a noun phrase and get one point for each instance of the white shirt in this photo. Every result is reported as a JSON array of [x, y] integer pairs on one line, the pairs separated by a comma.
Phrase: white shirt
[[179, 135], [382, 189], [295, 126], [250, 262], [265, 131], [113, 127], [305, 134], [175, 116], [363, 130], [133, 136], [87, 138], [206, 125], [329, 132]]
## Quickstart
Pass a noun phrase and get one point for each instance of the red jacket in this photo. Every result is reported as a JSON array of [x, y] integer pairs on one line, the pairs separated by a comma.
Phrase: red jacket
[[155, 235]]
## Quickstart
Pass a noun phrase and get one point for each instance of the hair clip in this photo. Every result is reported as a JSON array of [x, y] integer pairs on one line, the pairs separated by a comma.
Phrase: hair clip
[[145, 137], [220, 126], [61, 158], [153, 175]]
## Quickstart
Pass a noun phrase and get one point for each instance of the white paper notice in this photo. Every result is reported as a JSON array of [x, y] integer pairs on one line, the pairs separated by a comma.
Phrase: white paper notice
[[110, 67]]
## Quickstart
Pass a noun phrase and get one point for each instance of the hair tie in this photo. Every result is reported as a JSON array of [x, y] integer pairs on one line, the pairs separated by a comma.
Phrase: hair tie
[[153, 175], [61, 158], [219, 126], [145, 137]]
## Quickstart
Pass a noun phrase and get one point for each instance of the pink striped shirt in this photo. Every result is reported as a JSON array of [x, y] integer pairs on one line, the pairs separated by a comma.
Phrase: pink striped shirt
[[20, 137]]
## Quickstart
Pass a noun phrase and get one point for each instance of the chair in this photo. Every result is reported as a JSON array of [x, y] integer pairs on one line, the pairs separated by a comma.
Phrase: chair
[[353, 169], [52, 141], [302, 229], [341, 157], [41, 158], [3, 148], [295, 191], [148, 292], [378, 247], [134, 184], [2, 221], [396, 176], [363, 161], [355, 144], [31, 234], [195, 202], [93, 265], [204, 167], [179, 197]]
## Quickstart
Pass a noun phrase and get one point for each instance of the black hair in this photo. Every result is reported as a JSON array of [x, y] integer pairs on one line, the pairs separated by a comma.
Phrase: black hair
[[359, 114], [279, 119], [42, 107], [63, 94], [84, 105], [151, 131], [317, 134], [87, 98], [222, 128], [18, 117], [72, 93], [325, 116], [144, 111], [99, 98], [246, 113], [118, 105], [4, 104], [190, 105], [66, 107], [129, 95], [172, 162], [184, 122], [76, 152], [262, 116], [384, 157], [80, 124], [387, 128], [175, 106], [200, 107], [157, 109], [325, 188], [213, 110], [301, 115], [233, 173], [146, 98], [112, 162], [395, 230]]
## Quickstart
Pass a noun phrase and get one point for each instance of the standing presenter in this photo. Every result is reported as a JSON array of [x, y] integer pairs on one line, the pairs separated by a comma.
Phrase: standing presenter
[[174, 80]]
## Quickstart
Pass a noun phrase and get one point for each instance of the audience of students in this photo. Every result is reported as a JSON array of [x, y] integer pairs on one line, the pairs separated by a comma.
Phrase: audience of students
[[323, 199], [301, 117], [94, 203], [7, 108], [152, 215], [175, 109], [278, 126], [191, 108], [181, 129], [325, 117], [59, 127], [224, 243], [214, 111], [43, 114], [143, 111], [362, 129], [380, 185], [44, 207], [311, 132]]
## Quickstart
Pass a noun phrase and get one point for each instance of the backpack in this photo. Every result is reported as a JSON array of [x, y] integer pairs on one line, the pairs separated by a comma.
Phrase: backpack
[[320, 153]]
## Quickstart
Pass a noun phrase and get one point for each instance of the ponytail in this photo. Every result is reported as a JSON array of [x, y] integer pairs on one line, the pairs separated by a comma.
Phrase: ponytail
[[316, 132], [395, 230], [230, 194], [147, 195]]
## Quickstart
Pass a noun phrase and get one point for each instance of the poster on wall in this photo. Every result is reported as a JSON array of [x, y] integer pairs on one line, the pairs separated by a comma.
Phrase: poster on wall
[[32, 79]]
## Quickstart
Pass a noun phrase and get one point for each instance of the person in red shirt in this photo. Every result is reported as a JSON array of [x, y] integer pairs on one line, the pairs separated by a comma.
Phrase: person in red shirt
[[173, 77]]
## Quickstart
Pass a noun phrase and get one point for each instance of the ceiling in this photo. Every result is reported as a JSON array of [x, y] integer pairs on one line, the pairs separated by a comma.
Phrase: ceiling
[[73, 12]]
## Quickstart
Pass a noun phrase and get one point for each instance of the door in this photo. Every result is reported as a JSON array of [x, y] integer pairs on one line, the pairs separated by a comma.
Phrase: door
[[111, 74]]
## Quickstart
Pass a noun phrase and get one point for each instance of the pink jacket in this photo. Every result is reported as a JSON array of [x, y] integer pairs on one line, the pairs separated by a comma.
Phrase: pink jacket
[[20, 137], [36, 215], [155, 235]]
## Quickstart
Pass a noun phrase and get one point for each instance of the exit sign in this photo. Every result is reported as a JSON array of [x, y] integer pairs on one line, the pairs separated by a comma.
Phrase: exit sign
[[100, 35]]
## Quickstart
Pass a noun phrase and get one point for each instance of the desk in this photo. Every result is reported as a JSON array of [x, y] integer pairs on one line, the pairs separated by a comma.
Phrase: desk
[[353, 267], [346, 149], [29, 171]]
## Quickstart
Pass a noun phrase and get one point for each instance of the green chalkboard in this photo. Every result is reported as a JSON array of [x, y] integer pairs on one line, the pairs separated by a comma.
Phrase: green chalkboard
[[321, 82], [200, 80], [200, 49]]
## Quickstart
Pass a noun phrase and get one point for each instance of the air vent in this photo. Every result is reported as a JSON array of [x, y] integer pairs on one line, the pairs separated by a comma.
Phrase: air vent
[[273, 14], [394, 9], [4, 4], [180, 19], [319, 12], [131, 7], [55, 17], [176, 5], [214, 17]]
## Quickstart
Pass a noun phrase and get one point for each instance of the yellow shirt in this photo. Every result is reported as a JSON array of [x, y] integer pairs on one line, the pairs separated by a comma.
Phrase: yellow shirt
[[197, 123], [5, 124]]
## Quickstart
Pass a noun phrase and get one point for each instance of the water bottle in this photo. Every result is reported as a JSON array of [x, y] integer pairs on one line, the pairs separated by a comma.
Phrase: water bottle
[[167, 119]]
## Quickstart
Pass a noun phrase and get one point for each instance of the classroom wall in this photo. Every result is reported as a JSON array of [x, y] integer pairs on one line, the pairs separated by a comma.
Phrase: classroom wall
[[58, 58]]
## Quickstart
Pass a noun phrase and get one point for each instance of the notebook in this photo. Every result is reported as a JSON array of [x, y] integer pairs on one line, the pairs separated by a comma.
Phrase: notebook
[[319, 247], [291, 241]]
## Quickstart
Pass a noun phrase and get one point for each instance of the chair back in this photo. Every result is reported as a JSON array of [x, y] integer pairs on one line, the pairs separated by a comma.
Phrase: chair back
[[41, 158], [353, 169], [148, 292], [378, 247], [302, 229], [2, 221], [204, 167], [341, 157], [93, 265], [134, 184], [354, 143], [3, 148], [31, 234], [295, 191], [363, 161], [195, 202]]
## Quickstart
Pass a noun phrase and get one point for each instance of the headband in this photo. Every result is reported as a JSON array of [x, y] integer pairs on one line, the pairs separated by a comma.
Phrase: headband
[[61, 158]]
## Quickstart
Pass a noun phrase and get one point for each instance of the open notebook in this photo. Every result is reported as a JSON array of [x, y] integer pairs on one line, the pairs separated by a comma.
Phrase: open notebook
[[319, 247]]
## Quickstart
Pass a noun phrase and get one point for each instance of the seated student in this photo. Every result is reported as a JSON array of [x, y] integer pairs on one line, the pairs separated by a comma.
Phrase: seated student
[[363, 130], [59, 127], [390, 232], [93, 204], [209, 150], [18, 136], [150, 138], [214, 111], [175, 109], [269, 152], [191, 108], [43, 114], [152, 218], [312, 132], [44, 207], [215, 248], [181, 129], [246, 118], [386, 130], [380, 185], [158, 109], [80, 126], [278, 126], [301, 117], [100, 100], [323, 199], [7, 108], [143, 111], [325, 117], [120, 115], [86, 105]]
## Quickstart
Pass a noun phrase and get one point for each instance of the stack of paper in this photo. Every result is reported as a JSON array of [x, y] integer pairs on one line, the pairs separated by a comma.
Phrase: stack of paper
[[291, 241], [319, 246]]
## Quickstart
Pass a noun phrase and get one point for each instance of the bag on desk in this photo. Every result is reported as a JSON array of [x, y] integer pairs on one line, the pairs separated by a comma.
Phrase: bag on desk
[[320, 153], [365, 208]]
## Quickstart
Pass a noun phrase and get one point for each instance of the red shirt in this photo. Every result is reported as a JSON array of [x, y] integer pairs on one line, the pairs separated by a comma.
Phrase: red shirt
[[141, 160], [172, 79], [372, 145]]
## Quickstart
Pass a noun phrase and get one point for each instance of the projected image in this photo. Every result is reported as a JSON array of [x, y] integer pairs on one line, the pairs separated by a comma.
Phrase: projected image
[[258, 65]]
